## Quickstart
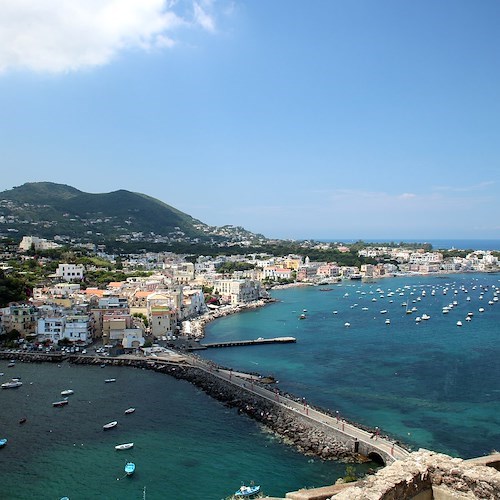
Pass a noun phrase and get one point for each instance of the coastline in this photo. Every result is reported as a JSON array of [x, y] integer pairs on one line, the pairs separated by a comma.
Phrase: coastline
[[198, 324]]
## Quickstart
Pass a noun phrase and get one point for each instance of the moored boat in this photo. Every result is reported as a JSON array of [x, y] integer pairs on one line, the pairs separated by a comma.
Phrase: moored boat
[[129, 468], [3, 442], [63, 402], [128, 411], [247, 491], [12, 384], [110, 425], [109, 380], [67, 392], [124, 446]]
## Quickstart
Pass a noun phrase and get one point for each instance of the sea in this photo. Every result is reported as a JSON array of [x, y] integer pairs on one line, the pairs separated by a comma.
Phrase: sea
[[437, 244], [429, 384]]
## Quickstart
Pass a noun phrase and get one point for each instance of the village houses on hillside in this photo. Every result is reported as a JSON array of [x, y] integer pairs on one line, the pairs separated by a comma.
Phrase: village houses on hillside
[[127, 313]]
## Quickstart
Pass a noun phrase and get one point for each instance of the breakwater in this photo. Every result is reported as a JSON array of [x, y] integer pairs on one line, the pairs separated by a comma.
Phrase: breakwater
[[303, 434], [312, 431]]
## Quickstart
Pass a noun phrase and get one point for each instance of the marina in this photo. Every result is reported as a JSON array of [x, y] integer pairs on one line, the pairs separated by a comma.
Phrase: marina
[[370, 387]]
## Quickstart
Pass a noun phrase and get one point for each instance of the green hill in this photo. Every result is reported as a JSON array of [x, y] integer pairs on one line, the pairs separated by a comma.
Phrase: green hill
[[47, 209]]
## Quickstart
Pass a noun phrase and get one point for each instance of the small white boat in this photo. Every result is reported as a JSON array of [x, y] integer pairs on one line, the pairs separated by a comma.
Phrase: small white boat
[[109, 380], [63, 402], [347, 325], [67, 392], [12, 384], [128, 411], [110, 425], [459, 323], [481, 309], [124, 446], [387, 321], [247, 491]]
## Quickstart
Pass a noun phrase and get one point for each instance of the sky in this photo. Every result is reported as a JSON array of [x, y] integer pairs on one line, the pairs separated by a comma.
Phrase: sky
[[328, 119]]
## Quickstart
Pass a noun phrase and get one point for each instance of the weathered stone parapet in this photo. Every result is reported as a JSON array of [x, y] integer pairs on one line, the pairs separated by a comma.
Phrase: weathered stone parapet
[[427, 475]]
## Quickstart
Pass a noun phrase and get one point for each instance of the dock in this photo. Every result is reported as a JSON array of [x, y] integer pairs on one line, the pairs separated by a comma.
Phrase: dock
[[259, 341]]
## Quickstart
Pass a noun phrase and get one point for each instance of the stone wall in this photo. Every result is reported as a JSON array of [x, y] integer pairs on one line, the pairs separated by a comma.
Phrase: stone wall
[[427, 475]]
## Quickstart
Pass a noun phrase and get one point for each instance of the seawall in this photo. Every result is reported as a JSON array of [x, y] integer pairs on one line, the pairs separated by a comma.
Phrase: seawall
[[303, 434]]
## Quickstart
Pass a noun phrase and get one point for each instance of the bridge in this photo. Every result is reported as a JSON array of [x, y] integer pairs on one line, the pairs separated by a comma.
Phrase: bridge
[[374, 446]]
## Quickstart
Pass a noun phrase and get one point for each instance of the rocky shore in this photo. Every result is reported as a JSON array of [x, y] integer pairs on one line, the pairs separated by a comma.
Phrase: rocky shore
[[292, 429]]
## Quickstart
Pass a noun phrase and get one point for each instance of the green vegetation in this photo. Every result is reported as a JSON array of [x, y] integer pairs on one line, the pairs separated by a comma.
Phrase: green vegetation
[[12, 289], [231, 267], [143, 317], [111, 214]]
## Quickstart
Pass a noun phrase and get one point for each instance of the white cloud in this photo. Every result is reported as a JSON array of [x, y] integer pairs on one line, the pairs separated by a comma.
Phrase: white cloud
[[67, 35], [202, 17]]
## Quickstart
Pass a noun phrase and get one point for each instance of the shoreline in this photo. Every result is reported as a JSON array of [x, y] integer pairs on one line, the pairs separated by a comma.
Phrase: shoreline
[[198, 324], [307, 436]]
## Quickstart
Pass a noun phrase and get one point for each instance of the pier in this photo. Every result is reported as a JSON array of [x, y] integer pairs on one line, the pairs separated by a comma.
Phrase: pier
[[259, 341]]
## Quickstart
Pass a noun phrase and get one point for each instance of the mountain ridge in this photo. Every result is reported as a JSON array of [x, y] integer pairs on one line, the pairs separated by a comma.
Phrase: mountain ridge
[[50, 209]]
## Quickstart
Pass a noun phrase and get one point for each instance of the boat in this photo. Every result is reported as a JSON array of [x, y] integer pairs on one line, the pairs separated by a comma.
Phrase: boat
[[22, 420], [387, 321], [12, 384], [67, 392], [11, 364], [63, 402], [459, 323], [347, 325], [302, 316], [110, 425], [128, 411], [108, 380], [3, 442], [124, 446], [129, 468], [247, 491]]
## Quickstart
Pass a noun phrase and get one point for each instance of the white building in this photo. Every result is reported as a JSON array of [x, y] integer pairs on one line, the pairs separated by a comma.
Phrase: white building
[[70, 272], [37, 243], [238, 291]]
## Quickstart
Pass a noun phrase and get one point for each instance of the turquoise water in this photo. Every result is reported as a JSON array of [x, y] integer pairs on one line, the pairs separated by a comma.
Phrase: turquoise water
[[187, 446], [433, 384]]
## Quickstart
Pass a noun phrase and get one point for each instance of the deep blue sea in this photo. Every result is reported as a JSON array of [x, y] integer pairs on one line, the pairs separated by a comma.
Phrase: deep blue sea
[[433, 385], [443, 244]]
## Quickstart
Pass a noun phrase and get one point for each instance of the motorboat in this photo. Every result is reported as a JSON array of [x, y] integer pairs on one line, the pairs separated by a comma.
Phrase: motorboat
[[3, 442], [124, 446], [247, 491], [459, 323], [63, 402], [12, 384], [387, 321], [109, 380], [110, 425], [128, 411], [22, 420], [67, 392], [129, 468]]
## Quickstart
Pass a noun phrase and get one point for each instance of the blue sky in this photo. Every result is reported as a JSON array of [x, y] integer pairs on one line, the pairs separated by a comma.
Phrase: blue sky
[[323, 119]]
